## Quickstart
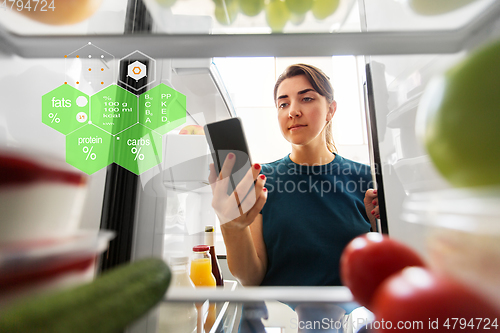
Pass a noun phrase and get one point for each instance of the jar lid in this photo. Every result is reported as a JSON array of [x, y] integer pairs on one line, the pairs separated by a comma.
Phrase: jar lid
[[201, 248], [209, 228]]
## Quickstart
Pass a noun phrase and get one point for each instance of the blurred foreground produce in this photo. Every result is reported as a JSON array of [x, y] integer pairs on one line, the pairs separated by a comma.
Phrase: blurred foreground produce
[[419, 300], [251, 7], [277, 12], [321, 9], [166, 3], [299, 6], [107, 305], [460, 120], [59, 12], [370, 259], [226, 13], [277, 15]]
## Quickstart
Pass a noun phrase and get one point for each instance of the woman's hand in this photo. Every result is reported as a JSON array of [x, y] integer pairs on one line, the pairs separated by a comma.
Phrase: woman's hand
[[238, 208], [372, 209]]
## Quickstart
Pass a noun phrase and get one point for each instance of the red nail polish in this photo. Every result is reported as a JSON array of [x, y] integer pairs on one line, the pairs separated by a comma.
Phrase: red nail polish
[[374, 191], [264, 189], [377, 216], [256, 166], [230, 156], [262, 177], [373, 212], [374, 202]]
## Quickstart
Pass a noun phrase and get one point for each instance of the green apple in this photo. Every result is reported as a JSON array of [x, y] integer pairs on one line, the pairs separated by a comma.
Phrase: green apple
[[459, 117], [299, 6], [436, 7], [251, 7], [226, 15], [321, 9], [277, 15]]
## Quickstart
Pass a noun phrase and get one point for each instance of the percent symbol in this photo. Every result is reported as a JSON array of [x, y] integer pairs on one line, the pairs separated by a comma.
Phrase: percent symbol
[[137, 153], [108, 98], [54, 118], [89, 153]]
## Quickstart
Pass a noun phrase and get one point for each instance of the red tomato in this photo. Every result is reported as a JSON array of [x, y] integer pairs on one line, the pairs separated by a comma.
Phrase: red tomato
[[418, 300], [369, 259]]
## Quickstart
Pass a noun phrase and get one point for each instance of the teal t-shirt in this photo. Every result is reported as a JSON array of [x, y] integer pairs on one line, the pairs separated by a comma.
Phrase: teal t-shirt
[[311, 213]]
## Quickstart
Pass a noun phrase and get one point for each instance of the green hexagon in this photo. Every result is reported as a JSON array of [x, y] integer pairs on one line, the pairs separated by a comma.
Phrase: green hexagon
[[65, 109], [114, 109], [138, 149], [162, 109], [89, 149]]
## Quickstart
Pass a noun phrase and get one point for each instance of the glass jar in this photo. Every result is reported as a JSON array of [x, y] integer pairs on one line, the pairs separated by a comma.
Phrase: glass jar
[[201, 267]]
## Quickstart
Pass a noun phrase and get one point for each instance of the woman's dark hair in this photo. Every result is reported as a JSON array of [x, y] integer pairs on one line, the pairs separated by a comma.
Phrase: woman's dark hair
[[320, 82]]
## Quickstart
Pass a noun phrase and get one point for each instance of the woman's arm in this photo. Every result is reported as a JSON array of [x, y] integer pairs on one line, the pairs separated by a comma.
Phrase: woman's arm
[[241, 221], [246, 252]]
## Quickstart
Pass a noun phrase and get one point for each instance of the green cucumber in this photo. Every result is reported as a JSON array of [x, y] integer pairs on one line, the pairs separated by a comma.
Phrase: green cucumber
[[106, 305]]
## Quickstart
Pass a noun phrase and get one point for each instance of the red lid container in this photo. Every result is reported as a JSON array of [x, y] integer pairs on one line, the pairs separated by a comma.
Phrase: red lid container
[[201, 248]]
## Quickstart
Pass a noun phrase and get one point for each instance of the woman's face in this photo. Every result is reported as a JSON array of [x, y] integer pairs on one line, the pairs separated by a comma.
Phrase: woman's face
[[302, 112]]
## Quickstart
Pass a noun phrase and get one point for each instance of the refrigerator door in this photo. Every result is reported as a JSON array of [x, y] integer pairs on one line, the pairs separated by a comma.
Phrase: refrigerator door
[[395, 85]]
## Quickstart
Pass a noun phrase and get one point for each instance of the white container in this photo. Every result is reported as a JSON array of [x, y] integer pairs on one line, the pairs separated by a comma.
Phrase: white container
[[35, 267], [40, 197], [462, 236]]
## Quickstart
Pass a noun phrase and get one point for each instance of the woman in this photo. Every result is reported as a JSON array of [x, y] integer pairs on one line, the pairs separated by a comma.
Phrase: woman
[[308, 205]]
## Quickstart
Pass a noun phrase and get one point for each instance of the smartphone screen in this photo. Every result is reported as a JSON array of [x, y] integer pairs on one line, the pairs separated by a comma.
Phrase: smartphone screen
[[226, 137]]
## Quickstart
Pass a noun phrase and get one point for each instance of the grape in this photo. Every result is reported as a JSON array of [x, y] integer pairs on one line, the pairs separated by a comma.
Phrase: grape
[[166, 3], [277, 15], [297, 19], [226, 15], [220, 3], [321, 9], [299, 6], [251, 7]]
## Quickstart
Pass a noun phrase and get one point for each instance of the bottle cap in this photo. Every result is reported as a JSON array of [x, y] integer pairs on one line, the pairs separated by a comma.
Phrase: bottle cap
[[209, 228], [201, 248], [179, 260]]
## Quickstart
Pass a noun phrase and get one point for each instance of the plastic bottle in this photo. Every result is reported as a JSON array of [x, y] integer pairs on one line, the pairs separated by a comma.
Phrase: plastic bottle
[[178, 317], [210, 241]]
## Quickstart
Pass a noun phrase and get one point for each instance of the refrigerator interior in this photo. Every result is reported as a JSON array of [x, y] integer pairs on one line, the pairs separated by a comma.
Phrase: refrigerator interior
[[399, 50]]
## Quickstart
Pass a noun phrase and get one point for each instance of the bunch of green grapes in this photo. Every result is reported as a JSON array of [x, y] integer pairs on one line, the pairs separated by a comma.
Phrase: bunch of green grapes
[[278, 12]]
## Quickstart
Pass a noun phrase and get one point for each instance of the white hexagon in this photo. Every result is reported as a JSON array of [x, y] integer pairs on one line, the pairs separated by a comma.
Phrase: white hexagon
[[137, 70]]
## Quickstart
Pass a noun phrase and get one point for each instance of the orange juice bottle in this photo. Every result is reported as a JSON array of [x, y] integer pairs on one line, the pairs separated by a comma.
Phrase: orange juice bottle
[[201, 267], [201, 275]]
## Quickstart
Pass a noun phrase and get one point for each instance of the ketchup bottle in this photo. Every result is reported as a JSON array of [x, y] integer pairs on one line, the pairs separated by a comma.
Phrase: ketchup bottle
[[210, 241]]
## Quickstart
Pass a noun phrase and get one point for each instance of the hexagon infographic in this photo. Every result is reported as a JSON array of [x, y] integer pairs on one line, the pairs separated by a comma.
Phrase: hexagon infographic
[[114, 124], [114, 109], [138, 149], [162, 109], [65, 109], [89, 149], [137, 70], [140, 69]]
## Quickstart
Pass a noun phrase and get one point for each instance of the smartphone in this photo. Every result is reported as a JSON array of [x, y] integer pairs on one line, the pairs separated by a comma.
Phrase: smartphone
[[226, 137]]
